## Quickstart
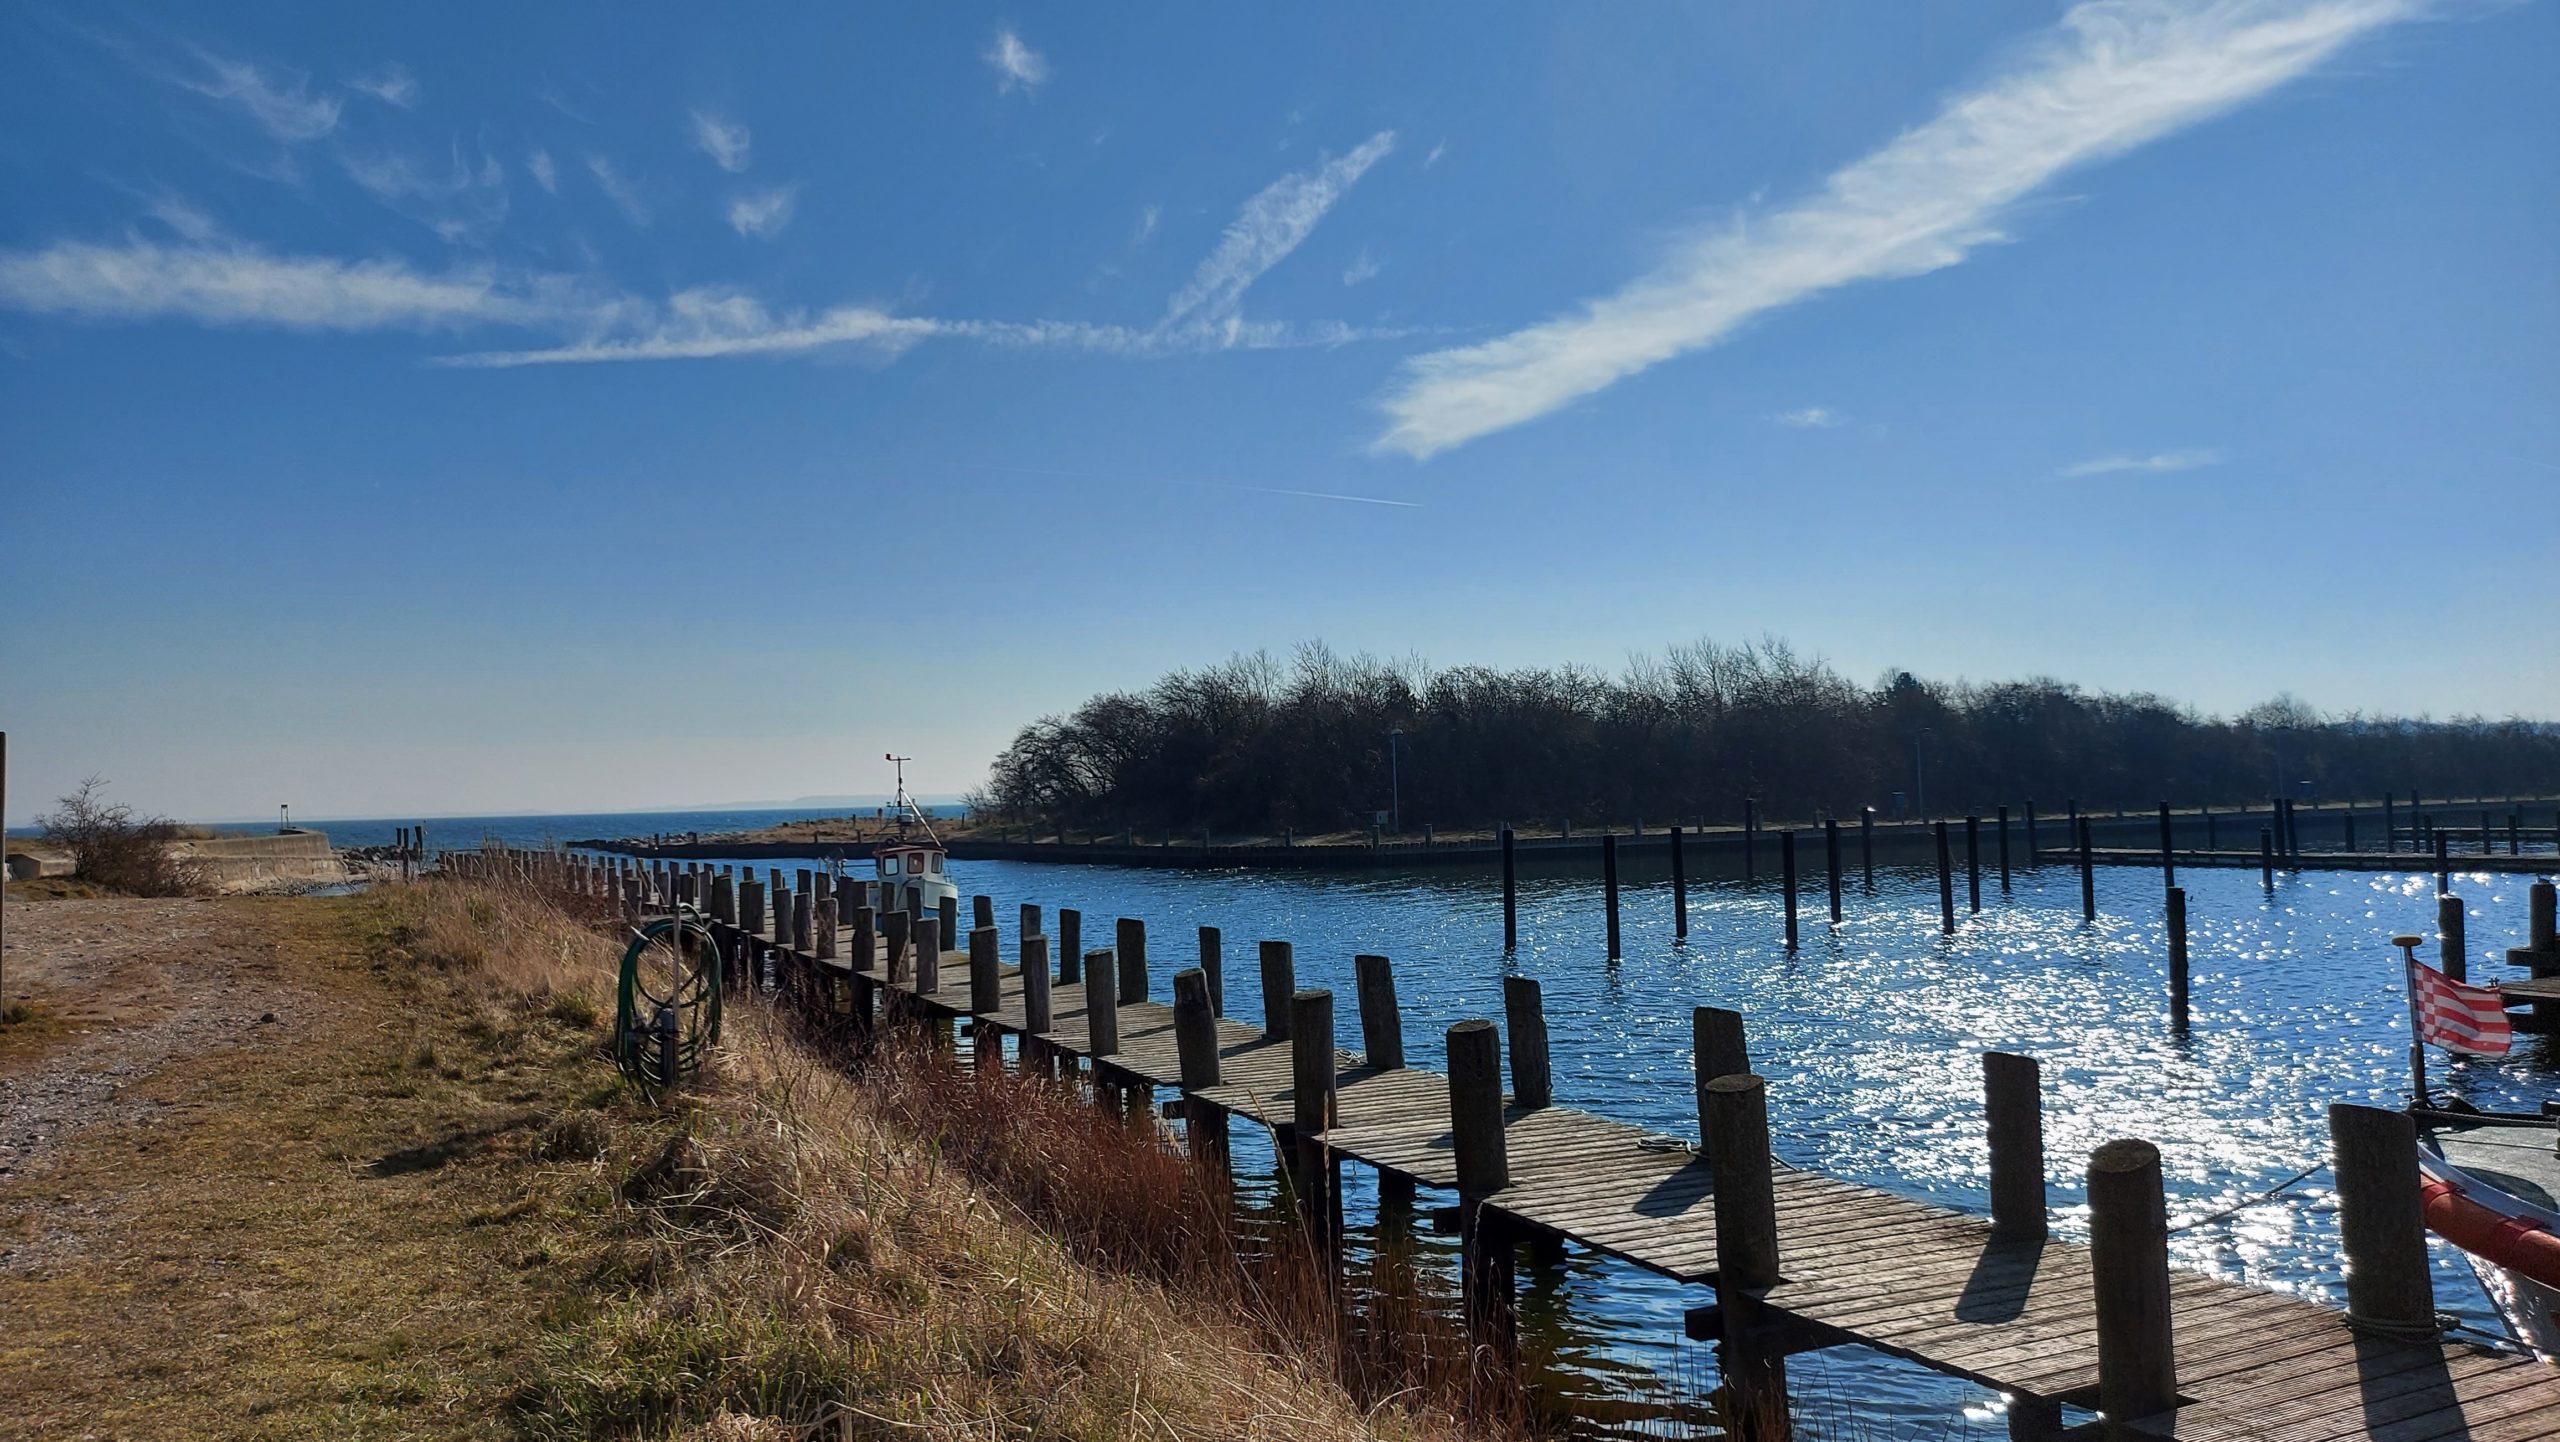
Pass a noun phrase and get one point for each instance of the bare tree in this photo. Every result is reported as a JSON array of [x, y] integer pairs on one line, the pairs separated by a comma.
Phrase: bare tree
[[113, 847]]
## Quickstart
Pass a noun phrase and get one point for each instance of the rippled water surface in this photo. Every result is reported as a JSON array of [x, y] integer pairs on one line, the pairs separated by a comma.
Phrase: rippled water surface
[[1870, 1035]]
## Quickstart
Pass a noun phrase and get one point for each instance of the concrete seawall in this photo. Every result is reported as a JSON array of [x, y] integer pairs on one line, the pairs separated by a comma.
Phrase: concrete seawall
[[257, 863]]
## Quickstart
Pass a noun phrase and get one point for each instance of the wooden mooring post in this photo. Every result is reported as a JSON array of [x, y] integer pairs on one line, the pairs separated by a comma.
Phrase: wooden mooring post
[[1132, 951], [1787, 868], [2013, 1103], [1831, 863], [2381, 1226], [2088, 873], [2267, 857], [1747, 1259], [1867, 844], [1070, 944], [1195, 1040], [1946, 885], [1036, 1018], [1524, 1012], [1279, 983], [1750, 834], [1679, 888], [1510, 893], [1381, 1027], [2004, 850], [2168, 849], [1716, 1048], [2129, 1276], [1484, 1168], [1609, 885], [1973, 864], [986, 995], [2444, 862], [2453, 957], [1311, 1083], [2031, 831], [2177, 928]]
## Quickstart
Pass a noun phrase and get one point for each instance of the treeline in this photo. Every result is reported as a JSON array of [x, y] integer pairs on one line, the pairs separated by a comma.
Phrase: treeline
[[1254, 745]]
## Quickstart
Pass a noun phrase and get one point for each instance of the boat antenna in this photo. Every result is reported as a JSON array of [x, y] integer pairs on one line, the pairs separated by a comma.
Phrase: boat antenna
[[905, 805]]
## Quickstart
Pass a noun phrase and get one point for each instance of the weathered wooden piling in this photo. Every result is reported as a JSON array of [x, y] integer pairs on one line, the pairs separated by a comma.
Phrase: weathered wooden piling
[[1311, 1085], [1484, 1168], [926, 934], [825, 948], [2381, 1226], [1279, 983], [1747, 1255], [1716, 1048], [1787, 876], [1831, 863], [986, 972], [1946, 884], [1524, 1014], [1101, 1005], [1609, 886], [1070, 944], [1510, 895], [1195, 1040], [804, 921], [2267, 857], [947, 928], [2347, 820], [1131, 936], [2004, 850], [1213, 968], [751, 906], [2013, 1104], [2453, 958], [1973, 864], [1867, 845], [982, 911], [897, 935], [1028, 922], [2177, 928], [2390, 825], [1381, 1028], [1679, 888], [2088, 872], [2444, 862], [2168, 849], [2129, 1276], [1036, 1018], [1750, 835]]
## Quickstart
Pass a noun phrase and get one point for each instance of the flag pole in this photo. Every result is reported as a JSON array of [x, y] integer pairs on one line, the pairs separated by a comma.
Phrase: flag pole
[[2417, 1044]]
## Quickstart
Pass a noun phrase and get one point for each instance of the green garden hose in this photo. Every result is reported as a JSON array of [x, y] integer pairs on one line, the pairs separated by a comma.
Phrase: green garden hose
[[667, 1006]]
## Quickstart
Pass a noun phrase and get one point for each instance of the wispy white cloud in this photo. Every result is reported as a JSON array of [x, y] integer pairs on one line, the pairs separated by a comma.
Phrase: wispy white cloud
[[461, 201], [392, 85], [1148, 218], [549, 94], [621, 189], [1433, 158], [2155, 463], [1363, 268], [725, 141], [537, 163], [2112, 76], [279, 102], [763, 213], [1809, 418], [1271, 225], [1017, 66], [183, 217], [240, 285]]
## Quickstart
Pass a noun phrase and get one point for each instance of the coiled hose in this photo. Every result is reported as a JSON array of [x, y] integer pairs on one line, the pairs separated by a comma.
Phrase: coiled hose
[[667, 1005]]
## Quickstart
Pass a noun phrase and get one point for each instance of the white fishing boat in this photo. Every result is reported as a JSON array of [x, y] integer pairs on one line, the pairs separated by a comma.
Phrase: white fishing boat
[[912, 869]]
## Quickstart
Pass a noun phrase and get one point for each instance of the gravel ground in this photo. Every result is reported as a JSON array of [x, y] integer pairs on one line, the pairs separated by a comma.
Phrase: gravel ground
[[128, 990]]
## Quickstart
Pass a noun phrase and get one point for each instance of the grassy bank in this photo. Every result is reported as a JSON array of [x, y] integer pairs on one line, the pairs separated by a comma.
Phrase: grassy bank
[[423, 1205]]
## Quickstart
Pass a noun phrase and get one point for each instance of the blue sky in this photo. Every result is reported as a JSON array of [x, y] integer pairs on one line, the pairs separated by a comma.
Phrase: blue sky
[[470, 407]]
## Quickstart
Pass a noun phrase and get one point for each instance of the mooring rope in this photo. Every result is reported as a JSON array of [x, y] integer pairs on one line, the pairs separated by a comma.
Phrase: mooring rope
[[2245, 1204]]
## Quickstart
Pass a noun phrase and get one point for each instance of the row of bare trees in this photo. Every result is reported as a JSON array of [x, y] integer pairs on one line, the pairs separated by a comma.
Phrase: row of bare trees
[[1255, 744]]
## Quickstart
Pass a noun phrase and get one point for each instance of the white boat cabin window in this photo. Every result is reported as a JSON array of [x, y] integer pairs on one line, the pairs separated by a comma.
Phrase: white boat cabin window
[[935, 864], [915, 863]]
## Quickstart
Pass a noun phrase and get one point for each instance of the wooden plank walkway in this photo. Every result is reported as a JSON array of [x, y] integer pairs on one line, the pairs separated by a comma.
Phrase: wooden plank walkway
[[1859, 1264]]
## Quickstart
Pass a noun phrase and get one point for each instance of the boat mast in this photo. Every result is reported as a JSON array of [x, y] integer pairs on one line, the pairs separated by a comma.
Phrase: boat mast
[[905, 805]]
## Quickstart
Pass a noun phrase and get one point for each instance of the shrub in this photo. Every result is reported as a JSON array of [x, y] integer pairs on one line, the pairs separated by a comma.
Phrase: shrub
[[113, 847]]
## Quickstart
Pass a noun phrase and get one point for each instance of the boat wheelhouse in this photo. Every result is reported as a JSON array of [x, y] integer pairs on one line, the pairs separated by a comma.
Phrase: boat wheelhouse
[[912, 878]]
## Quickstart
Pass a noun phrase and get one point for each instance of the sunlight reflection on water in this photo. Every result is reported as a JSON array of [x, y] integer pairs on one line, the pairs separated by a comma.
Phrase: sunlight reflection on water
[[1870, 1037]]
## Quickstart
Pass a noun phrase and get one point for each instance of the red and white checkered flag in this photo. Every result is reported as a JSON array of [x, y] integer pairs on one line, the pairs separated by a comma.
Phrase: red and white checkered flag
[[2458, 1017]]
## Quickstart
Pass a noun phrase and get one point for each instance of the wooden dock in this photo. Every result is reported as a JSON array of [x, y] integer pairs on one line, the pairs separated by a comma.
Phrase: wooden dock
[[2416, 863], [1991, 1300]]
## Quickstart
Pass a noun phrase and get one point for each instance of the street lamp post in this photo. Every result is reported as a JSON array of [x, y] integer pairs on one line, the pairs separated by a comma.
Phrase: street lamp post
[[1395, 781]]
